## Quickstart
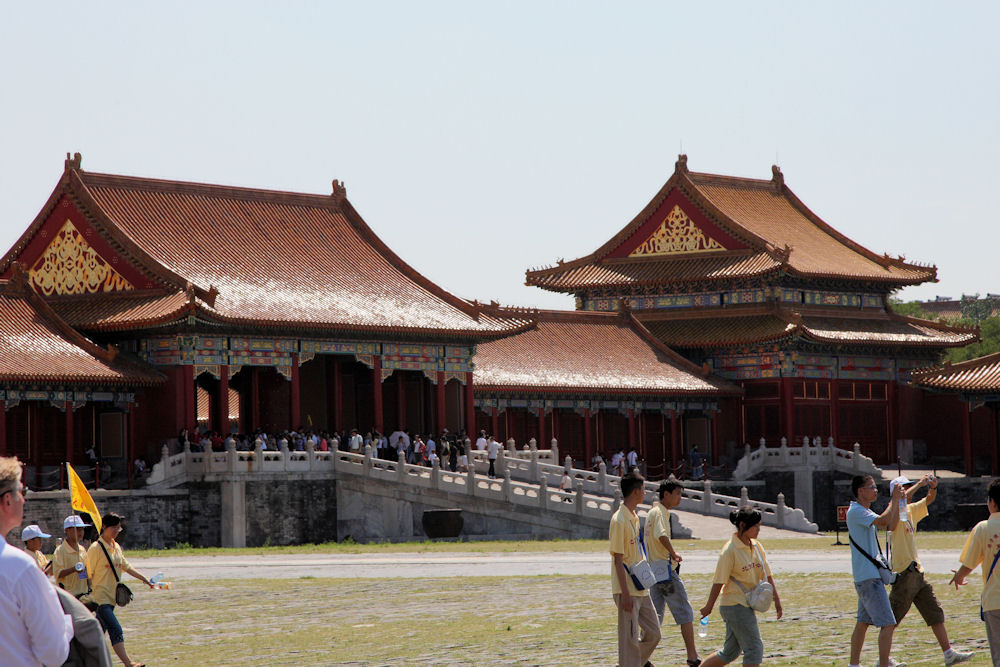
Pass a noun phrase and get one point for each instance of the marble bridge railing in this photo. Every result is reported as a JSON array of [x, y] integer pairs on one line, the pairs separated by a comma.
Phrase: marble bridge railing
[[698, 497], [814, 455], [520, 481]]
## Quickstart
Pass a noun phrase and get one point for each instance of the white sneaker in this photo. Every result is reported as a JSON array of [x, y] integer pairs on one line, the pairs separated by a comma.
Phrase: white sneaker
[[893, 663], [958, 656]]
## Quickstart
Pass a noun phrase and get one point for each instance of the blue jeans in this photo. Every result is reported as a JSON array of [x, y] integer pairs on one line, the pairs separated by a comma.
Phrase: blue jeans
[[106, 615]]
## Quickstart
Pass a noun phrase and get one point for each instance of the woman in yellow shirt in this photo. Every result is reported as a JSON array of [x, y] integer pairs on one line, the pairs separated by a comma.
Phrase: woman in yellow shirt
[[742, 560]]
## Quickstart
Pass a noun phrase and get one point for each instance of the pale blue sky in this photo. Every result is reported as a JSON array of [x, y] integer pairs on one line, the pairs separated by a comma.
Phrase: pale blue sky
[[480, 139]]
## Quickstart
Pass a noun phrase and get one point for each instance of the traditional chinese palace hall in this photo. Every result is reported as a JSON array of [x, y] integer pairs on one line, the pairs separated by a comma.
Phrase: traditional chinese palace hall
[[725, 312]]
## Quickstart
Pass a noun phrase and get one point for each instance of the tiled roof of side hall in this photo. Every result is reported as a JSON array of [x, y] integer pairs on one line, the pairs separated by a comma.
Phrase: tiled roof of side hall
[[36, 346], [974, 376], [260, 258], [579, 352], [765, 323], [763, 218]]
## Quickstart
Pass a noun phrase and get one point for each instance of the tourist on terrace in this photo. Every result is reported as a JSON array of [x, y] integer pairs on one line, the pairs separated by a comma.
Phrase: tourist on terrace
[[34, 630], [742, 566], [632, 458], [616, 462], [481, 441], [982, 547], [104, 554], [492, 451], [461, 447], [873, 601], [910, 586], [670, 593], [355, 441], [638, 627]]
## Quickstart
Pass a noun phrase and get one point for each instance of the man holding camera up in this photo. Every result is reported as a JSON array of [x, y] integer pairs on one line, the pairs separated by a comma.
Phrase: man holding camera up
[[910, 586], [873, 601]]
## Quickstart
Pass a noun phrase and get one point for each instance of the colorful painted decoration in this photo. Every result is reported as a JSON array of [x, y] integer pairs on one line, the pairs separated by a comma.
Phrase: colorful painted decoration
[[70, 266], [677, 234]]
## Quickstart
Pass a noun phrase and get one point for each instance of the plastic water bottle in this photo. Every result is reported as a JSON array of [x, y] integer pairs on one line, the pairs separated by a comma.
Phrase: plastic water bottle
[[156, 578], [703, 627], [904, 515]]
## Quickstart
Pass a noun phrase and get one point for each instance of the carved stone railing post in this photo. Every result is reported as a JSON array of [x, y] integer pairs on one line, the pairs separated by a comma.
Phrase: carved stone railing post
[[470, 478], [543, 493], [829, 441], [780, 511], [578, 498], [368, 460], [435, 475], [231, 456], [568, 463], [554, 446], [602, 478], [706, 497], [618, 501], [744, 496], [283, 447], [401, 466], [533, 470], [258, 456], [856, 459], [501, 465], [784, 450], [187, 447], [511, 446], [311, 453], [508, 490]]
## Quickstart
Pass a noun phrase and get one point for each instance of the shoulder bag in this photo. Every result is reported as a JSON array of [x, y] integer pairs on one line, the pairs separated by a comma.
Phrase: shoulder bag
[[641, 573], [760, 596], [123, 594]]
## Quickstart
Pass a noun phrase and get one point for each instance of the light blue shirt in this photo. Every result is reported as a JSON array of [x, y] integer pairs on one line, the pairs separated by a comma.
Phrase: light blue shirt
[[861, 528]]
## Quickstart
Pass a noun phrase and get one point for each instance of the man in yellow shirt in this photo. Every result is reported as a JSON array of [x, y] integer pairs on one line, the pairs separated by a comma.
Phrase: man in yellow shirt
[[635, 611], [910, 587], [983, 547], [670, 593], [100, 556], [32, 537], [69, 561]]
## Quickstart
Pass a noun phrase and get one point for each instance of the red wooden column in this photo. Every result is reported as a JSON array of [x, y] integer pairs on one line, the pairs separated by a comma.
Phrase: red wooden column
[[787, 388], [541, 428], [439, 404], [69, 432], [377, 393], [835, 411], [254, 397], [337, 409], [3, 428], [295, 407], [967, 440], [222, 416], [891, 412], [631, 428], [470, 406], [714, 443], [401, 400], [675, 450], [995, 451], [190, 416], [130, 443], [494, 421], [588, 438]]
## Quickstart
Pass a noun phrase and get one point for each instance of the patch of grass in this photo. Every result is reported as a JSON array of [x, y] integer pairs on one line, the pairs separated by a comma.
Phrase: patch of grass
[[544, 620], [951, 541]]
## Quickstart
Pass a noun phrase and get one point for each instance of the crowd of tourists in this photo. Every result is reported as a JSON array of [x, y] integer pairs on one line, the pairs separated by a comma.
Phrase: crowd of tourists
[[645, 575], [56, 612]]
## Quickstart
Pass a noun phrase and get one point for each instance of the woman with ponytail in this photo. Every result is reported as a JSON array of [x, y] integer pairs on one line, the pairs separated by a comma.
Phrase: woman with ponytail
[[742, 560]]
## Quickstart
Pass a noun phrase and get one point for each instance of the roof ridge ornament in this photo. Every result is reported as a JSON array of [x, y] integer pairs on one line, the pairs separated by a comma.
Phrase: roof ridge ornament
[[777, 177], [682, 163], [74, 162], [339, 193]]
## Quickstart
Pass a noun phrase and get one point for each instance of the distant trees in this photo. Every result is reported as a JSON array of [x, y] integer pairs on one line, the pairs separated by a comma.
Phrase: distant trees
[[976, 312]]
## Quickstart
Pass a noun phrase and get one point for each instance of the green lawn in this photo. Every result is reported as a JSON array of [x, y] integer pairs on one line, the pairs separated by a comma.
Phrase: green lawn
[[925, 541], [545, 620]]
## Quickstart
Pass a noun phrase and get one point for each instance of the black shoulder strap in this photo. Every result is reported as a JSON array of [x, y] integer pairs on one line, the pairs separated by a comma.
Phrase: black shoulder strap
[[865, 553], [108, 556]]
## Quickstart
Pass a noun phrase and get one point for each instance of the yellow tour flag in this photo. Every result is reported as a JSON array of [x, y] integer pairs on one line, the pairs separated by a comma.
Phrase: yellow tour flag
[[79, 498]]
